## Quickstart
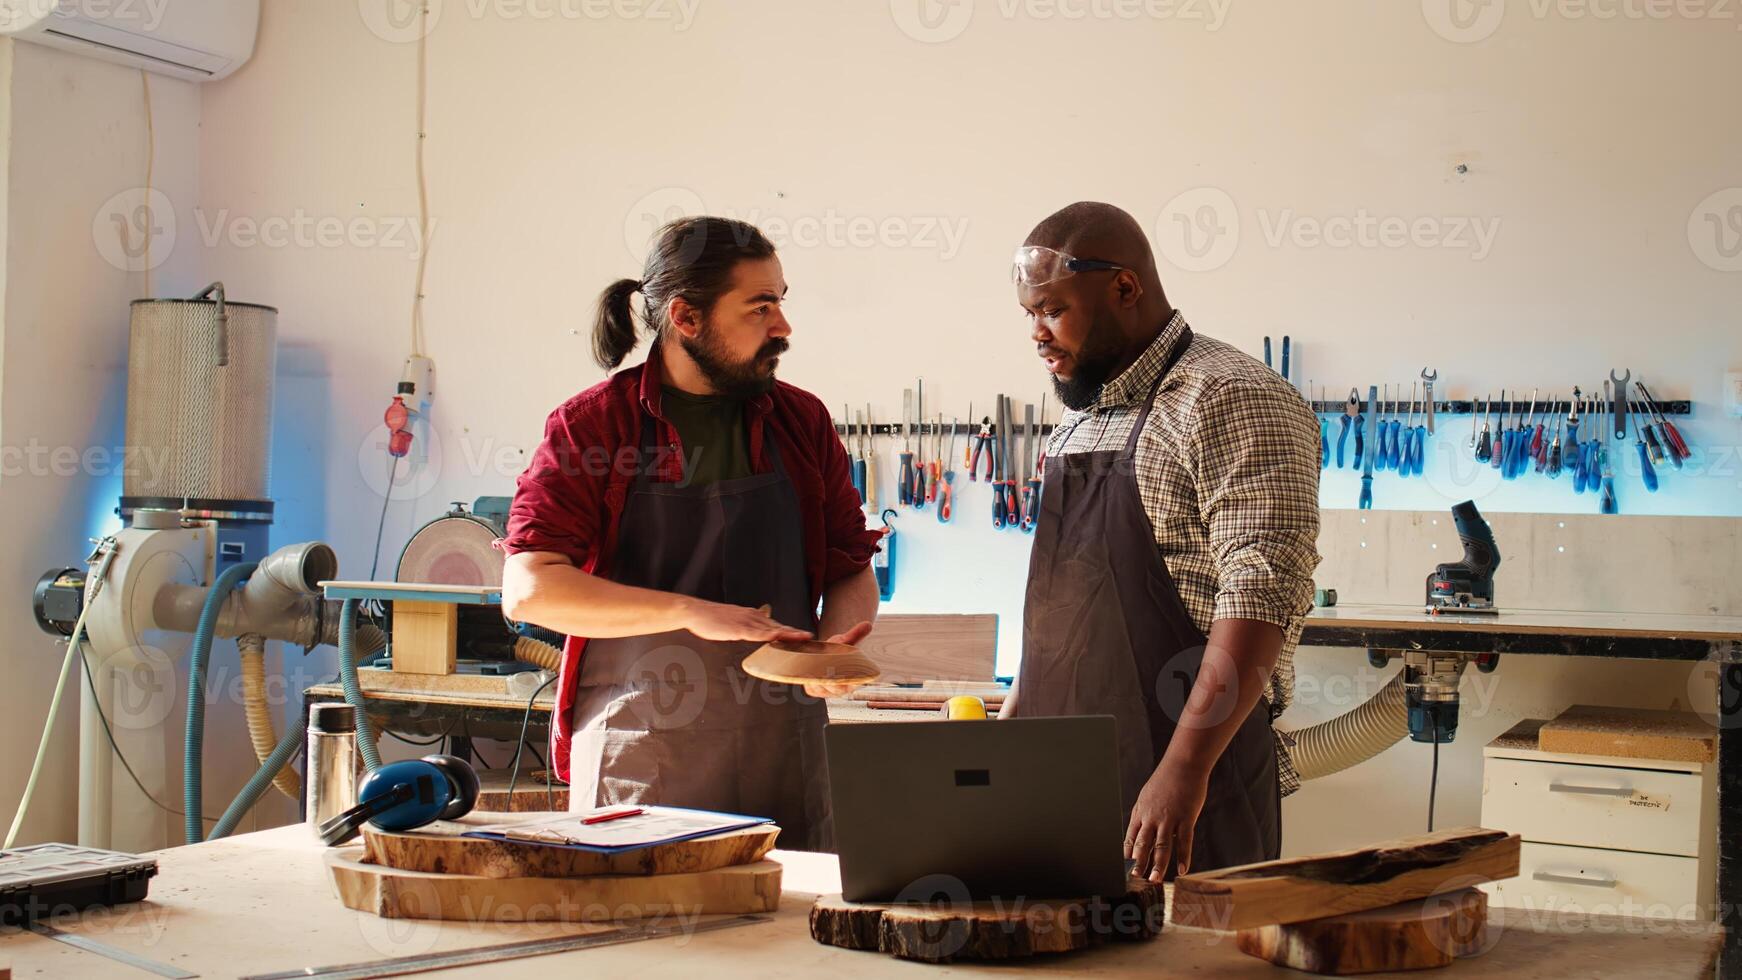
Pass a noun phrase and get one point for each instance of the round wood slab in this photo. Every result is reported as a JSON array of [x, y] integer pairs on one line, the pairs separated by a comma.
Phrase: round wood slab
[[439, 849], [989, 930], [1425, 933], [394, 894], [811, 661]]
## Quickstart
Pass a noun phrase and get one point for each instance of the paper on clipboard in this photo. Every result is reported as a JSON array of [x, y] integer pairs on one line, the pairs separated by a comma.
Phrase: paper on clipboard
[[654, 825]]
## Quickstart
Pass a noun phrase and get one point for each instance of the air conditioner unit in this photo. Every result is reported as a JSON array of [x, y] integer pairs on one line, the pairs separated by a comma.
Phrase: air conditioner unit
[[198, 40]]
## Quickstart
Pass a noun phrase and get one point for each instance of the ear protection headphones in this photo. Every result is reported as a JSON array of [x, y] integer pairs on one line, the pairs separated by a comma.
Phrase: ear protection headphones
[[407, 795]]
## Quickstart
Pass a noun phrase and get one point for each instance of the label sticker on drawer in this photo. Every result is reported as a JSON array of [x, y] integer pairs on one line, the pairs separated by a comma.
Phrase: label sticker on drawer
[[1649, 801]]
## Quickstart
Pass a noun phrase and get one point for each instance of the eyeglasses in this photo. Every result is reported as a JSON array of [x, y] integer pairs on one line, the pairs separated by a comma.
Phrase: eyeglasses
[[1037, 265]]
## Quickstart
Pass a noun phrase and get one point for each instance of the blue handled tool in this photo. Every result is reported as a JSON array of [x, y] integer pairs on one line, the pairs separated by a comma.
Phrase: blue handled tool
[[1499, 457], [1647, 472], [1485, 448], [1350, 412], [1381, 434], [1324, 430], [1394, 451], [1367, 474], [856, 462]]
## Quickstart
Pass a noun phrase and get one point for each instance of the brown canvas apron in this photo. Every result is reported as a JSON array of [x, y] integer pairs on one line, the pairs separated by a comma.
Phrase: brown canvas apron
[[669, 718], [1105, 632]]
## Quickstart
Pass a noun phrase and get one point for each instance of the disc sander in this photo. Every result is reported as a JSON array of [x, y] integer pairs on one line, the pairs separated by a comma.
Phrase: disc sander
[[811, 661]]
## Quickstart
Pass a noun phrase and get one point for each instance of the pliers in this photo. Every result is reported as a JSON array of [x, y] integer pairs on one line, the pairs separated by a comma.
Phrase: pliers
[[983, 443]]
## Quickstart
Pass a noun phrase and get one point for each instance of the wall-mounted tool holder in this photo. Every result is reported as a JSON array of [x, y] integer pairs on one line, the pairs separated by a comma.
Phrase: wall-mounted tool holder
[[1477, 406]]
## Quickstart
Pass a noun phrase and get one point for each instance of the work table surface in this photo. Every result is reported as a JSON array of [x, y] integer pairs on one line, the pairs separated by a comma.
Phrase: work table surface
[[260, 903], [1655, 636]]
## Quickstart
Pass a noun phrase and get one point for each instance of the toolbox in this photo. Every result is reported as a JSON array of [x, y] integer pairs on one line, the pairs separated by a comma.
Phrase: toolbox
[[44, 880]]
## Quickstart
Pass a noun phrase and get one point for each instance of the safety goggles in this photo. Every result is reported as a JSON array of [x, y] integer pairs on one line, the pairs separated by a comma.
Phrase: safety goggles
[[1037, 265]]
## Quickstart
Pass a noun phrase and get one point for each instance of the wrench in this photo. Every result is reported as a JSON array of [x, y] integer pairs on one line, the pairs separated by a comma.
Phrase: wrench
[[1620, 402], [1428, 381]]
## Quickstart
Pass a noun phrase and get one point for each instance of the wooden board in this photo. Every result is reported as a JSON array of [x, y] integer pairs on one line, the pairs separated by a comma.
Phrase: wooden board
[[439, 848], [915, 648], [1630, 733], [394, 894], [1298, 889], [988, 930], [1418, 935], [425, 637]]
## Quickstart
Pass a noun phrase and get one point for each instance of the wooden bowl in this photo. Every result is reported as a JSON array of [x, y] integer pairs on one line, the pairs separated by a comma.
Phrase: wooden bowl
[[811, 661]]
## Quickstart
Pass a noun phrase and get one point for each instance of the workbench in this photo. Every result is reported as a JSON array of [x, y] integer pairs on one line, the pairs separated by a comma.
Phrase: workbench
[[1611, 635], [262, 903]]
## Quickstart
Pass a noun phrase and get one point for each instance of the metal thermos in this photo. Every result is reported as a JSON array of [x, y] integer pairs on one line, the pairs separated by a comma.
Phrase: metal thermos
[[333, 763]]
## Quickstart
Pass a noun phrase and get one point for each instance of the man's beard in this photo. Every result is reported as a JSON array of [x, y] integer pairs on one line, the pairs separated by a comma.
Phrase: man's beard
[[1095, 362], [732, 379]]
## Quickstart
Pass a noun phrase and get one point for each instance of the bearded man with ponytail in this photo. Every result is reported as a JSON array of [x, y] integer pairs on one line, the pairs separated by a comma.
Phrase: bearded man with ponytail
[[675, 517]]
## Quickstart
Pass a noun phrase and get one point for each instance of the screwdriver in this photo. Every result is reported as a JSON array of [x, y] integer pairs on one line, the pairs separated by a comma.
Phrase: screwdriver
[[871, 462], [1394, 458], [1672, 437], [1027, 479], [919, 495], [1034, 478], [1536, 442], [1646, 471], [1360, 429], [1324, 430], [1421, 431], [904, 482], [1554, 452], [946, 484], [1406, 455], [1573, 411], [1367, 473], [858, 461], [1652, 443], [1603, 476], [1544, 431], [1503, 438], [999, 435], [1485, 448], [937, 462], [1012, 506]]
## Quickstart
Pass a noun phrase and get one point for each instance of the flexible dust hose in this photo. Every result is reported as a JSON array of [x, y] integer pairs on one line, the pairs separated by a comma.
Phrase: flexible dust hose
[[193, 743], [370, 641], [275, 765], [354, 693], [538, 653], [1354, 736], [254, 702]]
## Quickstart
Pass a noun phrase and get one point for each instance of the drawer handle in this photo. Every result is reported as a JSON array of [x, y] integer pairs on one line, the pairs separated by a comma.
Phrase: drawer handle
[[1567, 879], [1589, 790]]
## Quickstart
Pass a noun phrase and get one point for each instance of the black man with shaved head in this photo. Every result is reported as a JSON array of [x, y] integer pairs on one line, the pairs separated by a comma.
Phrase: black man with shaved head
[[1173, 559]]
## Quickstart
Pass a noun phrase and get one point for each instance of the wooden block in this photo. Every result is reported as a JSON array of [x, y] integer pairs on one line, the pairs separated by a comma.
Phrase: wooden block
[[1418, 935], [439, 848], [531, 792], [426, 637], [989, 930], [1631, 733], [911, 649], [1298, 889], [395, 894]]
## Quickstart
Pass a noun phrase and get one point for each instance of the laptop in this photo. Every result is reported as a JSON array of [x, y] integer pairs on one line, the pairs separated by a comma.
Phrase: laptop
[[977, 810]]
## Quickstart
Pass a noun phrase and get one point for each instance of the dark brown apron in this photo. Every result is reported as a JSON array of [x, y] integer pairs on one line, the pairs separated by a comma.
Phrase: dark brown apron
[[1105, 632], [671, 719]]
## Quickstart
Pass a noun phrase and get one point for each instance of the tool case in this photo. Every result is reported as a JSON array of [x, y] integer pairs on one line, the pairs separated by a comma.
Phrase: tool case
[[43, 880]]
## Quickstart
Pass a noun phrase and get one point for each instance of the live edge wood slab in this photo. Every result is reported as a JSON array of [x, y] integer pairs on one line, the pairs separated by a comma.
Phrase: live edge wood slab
[[989, 930], [1299, 889], [1423, 934], [439, 849]]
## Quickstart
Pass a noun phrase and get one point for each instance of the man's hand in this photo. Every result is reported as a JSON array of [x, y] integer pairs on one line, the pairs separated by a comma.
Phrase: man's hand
[[1161, 823], [829, 690], [719, 621]]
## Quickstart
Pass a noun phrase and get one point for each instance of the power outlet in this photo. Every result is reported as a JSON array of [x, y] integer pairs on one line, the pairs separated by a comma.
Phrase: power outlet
[[1733, 393]]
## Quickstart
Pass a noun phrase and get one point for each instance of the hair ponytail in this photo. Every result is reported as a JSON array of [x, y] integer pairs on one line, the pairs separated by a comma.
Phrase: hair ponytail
[[614, 324]]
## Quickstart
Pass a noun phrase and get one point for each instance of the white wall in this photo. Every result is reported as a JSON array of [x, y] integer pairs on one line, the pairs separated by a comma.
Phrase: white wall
[[557, 142], [77, 139]]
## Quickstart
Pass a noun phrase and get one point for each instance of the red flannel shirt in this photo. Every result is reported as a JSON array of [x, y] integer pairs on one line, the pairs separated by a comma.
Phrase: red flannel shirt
[[570, 499]]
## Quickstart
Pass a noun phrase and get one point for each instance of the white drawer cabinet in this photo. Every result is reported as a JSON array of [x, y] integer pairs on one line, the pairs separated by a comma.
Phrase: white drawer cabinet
[[1601, 833], [1555, 879], [1594, 806]]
